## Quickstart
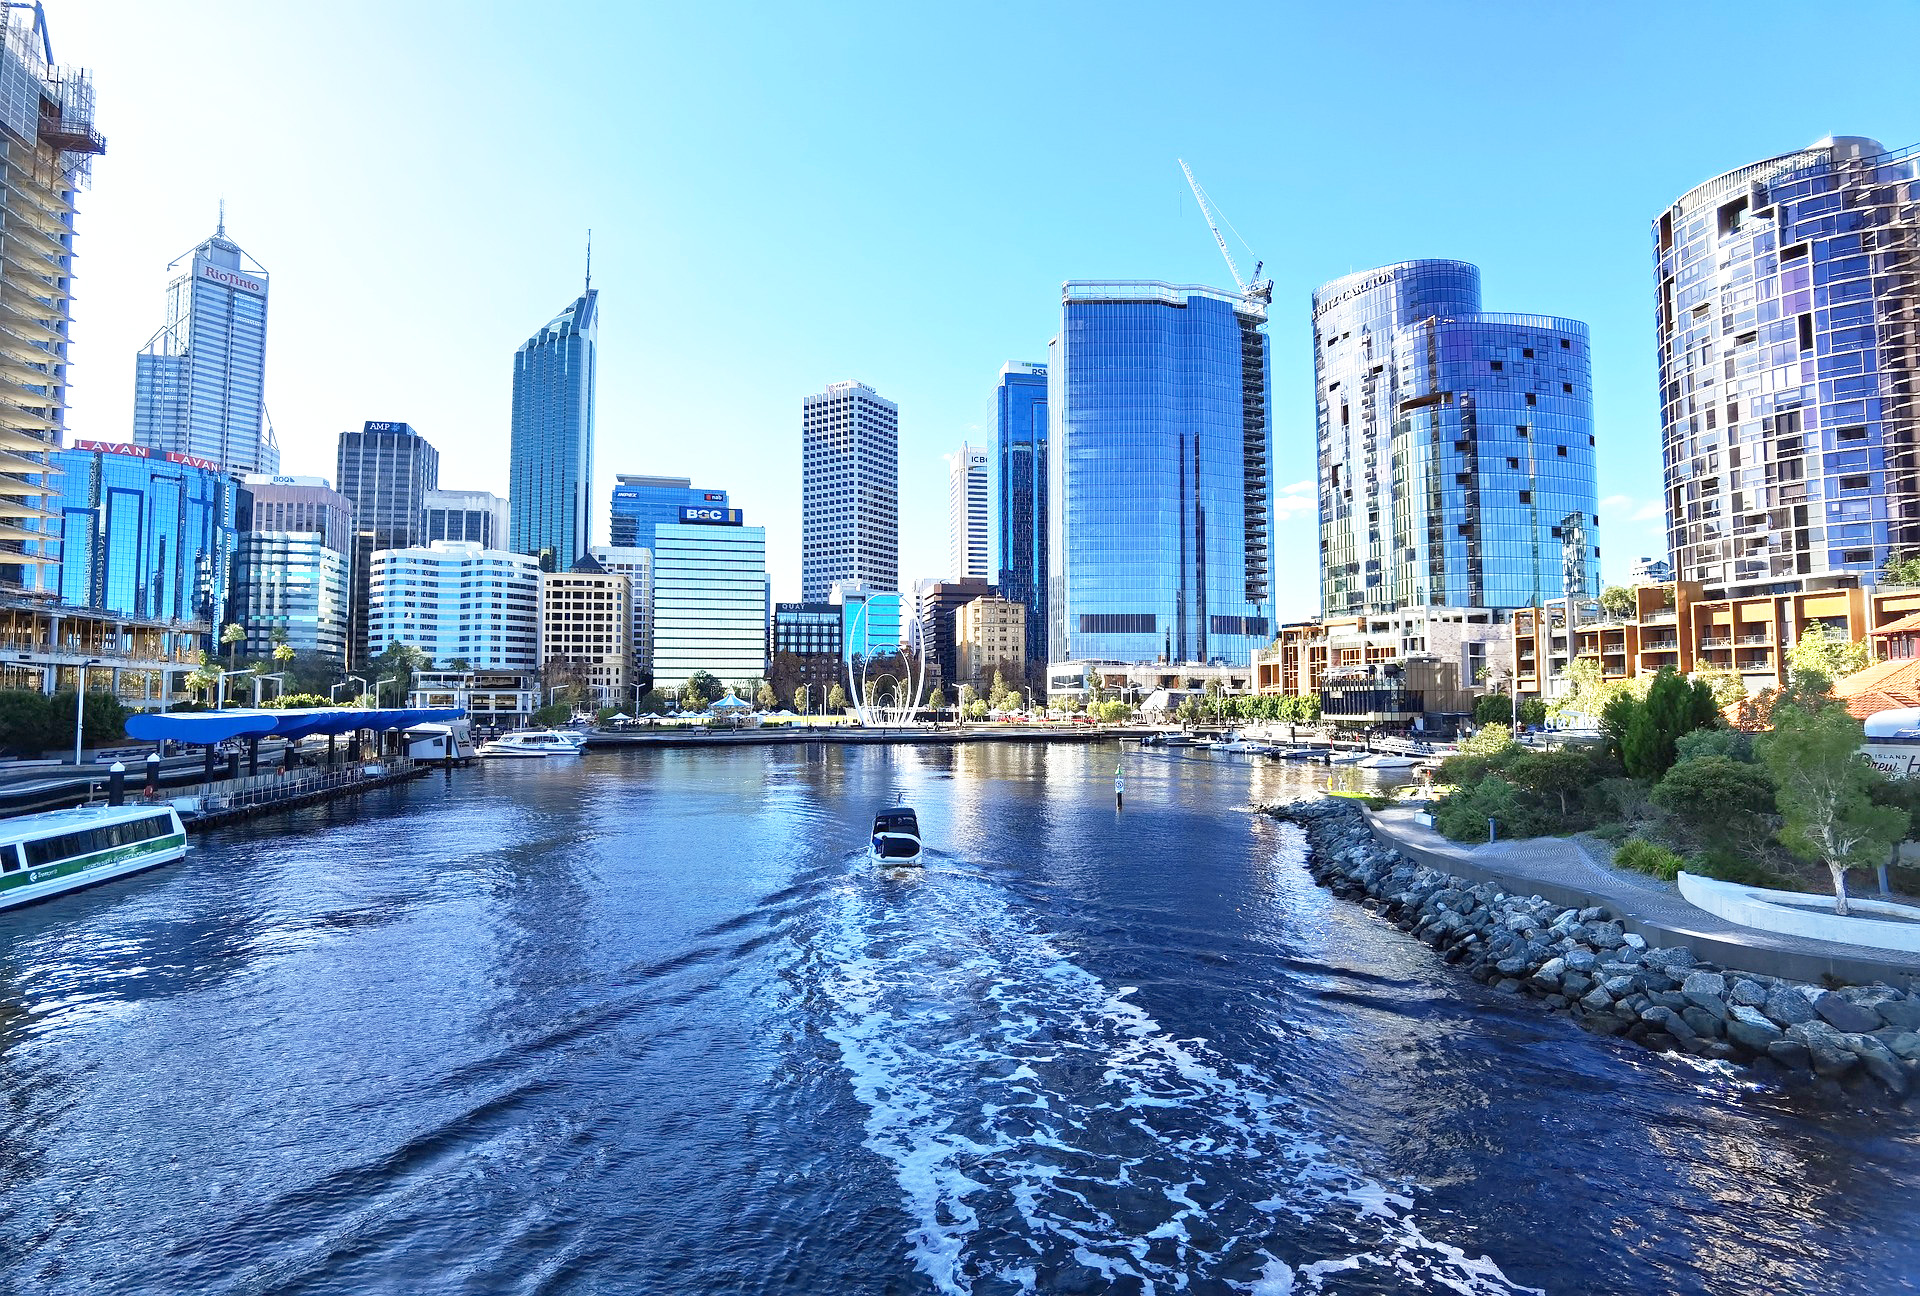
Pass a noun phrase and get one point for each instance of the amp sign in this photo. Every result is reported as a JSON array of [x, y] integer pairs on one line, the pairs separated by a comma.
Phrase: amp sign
[[710, 516]]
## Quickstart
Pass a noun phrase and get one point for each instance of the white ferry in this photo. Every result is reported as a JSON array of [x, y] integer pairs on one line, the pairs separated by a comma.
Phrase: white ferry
[[524, 743], [44, 855]]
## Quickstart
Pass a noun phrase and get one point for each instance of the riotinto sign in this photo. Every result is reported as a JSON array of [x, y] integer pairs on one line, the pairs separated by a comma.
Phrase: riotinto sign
[[710, 516]]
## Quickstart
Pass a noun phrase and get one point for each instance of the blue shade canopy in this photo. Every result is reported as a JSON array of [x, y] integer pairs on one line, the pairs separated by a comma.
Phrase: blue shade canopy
[[730, 703], [206, 727]]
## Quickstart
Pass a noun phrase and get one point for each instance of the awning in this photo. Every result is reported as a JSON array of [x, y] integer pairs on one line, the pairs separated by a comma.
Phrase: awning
[[204, 728]]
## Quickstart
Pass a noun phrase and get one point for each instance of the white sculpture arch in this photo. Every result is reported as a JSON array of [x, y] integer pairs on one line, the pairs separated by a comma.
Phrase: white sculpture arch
[[889, 708]]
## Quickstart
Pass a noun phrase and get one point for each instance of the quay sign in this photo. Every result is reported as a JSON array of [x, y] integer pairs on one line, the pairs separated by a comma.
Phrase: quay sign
[[710, 516], [145, 452]]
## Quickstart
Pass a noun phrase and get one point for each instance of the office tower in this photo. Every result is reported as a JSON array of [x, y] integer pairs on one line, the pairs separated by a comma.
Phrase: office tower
[[1456, 457], [1785, 311], [292, 577], [1649, 571], [1020, 413], [385, 470], [146, 533], [479, 516], [640, 503], [199, 385], [46, 130], [989, 637], [551, 478], [586, 630], [637, 566], [849, 490], [1157, 459], [967, 557], [456, 602], [710, 603], [870, 619], [934, 603]]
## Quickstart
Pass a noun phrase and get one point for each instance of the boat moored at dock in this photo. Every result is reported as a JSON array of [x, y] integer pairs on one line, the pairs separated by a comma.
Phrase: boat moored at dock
[[44, 855], [534, 743]]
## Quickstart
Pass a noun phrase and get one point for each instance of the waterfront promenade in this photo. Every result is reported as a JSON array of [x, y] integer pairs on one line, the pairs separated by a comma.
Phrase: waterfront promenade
[[1566, 871]]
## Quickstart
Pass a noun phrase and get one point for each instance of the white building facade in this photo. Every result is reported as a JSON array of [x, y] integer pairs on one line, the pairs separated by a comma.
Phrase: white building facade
[[456, 601], [849, 490], [637, 566], [967, 553]]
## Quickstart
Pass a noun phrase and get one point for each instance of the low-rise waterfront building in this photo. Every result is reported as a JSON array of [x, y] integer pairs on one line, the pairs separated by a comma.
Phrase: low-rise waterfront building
[[990, 637], [1421, 693], [710, 601], [44, 645], [455, 601], [1072, 684], [586, 629], [1477, 642], [493, 700]]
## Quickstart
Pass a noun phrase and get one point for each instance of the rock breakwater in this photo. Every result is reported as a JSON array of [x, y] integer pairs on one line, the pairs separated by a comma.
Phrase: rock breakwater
[[1583, 963]]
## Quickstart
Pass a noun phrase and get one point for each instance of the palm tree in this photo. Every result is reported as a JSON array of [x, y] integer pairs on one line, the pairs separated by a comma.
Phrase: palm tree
[[233, 634]]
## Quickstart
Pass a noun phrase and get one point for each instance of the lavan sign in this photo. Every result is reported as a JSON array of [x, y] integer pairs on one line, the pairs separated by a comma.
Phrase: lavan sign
[[145, 452], [208, 272], [710, 516]]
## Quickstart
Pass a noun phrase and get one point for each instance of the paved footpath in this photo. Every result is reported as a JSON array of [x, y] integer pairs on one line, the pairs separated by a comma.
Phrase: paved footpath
[[1566, 871]]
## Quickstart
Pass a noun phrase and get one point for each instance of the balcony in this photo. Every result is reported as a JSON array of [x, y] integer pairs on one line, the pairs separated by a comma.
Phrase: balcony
[[1746, 640], [1718, 641]]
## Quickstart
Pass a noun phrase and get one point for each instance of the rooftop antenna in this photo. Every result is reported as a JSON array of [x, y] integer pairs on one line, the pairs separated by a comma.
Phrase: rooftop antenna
[[589, 287], [1257, 291], [222, 231]]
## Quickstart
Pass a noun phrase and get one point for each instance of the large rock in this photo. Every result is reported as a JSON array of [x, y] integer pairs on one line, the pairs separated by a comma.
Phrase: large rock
[[1548, 977], [1906, 1044], [1788, 1006], [1604, 935], [1663, 1018], [1702, 987], [1790, 1054], [1672, 960], [1903, 1012], [1598, 1000], [1749, 994], [1581, 960], [1705, 1024], [1574, 984], [1844, 1015], [1879, 1063], [1749, 1028]]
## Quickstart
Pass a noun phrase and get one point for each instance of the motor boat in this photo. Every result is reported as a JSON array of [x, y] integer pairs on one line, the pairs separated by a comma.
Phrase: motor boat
[[896, 837], [1231, 741], [525, 744], [1388, 761]]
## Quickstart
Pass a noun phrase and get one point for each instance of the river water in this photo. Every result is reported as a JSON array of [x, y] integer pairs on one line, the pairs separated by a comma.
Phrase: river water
[[649, 1022]]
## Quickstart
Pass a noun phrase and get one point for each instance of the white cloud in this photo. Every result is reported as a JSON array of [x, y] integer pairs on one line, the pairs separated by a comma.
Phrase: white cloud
[[1648, 512], [1298, 488]]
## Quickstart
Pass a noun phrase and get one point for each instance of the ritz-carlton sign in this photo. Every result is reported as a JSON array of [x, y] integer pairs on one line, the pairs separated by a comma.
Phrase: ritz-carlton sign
[[145, 452], [230, 278]]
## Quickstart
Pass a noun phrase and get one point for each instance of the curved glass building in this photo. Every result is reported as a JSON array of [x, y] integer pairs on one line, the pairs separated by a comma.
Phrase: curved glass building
[[1157, 461], [1456, 451], [1785, 310]]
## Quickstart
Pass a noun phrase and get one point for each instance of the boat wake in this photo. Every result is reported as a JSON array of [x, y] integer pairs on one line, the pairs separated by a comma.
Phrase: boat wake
[[1047, 1133]]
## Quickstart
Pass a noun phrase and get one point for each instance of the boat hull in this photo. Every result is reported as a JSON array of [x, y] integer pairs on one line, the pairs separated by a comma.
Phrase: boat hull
[[59, 879]]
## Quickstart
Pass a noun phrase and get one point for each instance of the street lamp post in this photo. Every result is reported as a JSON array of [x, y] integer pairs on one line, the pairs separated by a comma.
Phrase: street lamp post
[[333, 692], [258, 680], [80, 708], [391, 679]]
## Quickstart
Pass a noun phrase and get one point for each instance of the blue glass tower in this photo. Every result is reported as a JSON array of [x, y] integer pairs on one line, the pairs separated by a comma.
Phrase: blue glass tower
[[1020, 405], [1456, 464], [1157, 470], [551, 474], [641, 503]]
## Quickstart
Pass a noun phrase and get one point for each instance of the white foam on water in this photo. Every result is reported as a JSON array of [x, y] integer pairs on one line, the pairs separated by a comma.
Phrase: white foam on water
[[1036, 1120]]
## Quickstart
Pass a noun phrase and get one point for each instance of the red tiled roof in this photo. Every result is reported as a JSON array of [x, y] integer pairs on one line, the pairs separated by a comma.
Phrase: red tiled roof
[[1884, 686], [1909, 624]]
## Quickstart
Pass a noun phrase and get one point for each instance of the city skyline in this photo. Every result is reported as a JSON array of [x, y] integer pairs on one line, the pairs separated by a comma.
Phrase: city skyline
[[1538, 227]]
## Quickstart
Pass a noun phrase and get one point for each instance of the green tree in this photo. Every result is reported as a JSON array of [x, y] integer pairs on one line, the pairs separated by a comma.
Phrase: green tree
[[1617, 601], [556, 713], [400, 661], [1710, 795], [283, 655], [1824, 792], [764, 698], [1587, 691], [459, 664], [1615, 719], [836, 699], [967, 695], [1903, 570], [1673, 706], [936, 701], [975, 710], [1727, 687], [232, 634], [1825, 652], [1553, 773], [800, 693], [202, 678], [700, 691], [1493, 708], [1492, 741]]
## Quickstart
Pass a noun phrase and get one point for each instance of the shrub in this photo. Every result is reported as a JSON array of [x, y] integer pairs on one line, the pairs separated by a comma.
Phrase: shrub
[[1731, 743], [1463, 815], [1493, 741], [1643, 856], [1709, 794], [1620, 798], [1673, 706], [1730, 866]]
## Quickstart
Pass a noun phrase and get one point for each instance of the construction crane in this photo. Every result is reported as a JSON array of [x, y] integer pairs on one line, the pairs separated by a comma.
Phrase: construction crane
[[1257, 291]]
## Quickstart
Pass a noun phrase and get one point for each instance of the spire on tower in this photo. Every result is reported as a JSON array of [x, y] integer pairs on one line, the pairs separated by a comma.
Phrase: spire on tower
[[589, 287], [221, 232]]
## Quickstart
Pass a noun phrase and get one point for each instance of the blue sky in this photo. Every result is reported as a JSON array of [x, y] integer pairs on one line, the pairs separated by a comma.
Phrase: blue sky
[[788, 196]]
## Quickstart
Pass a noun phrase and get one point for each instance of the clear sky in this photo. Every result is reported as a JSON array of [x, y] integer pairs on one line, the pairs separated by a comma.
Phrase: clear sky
[[784, 196]]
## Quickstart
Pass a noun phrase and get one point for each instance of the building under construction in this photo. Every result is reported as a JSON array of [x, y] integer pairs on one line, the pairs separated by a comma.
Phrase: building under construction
[[47, 143]]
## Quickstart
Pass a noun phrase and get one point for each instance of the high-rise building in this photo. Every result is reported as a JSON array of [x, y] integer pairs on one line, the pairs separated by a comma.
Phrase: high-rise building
[[551, 485], [292, 577], [48, 139], [849, 490], [1456, 455], [637, 566], [586, 629], [199, 385], [385, 470], [1020, 412], [989, 638], [870, 619], [967, 539], [457, 602], [1788, 322], [479, 516], [1157, 456], [146, 533], [710, 602], [640, 503], [934, 603]]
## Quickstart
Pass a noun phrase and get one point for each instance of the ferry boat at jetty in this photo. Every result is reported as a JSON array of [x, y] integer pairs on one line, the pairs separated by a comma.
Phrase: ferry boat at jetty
[[46, 854], [524, 744], [896, 837]]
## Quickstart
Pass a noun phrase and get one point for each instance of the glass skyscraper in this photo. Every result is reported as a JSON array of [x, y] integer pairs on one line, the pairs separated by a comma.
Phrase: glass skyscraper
[[199, 385], [550, 480], [146, 533], [1456, 452], [1157, 459], [293, 571], [385, 469], [849, 490], [641, 503], [967, 528], [710, 604], [1785, 310], [1020, 410]]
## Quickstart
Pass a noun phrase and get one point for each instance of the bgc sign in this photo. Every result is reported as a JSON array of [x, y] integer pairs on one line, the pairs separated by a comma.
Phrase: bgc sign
[[704, 516]]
